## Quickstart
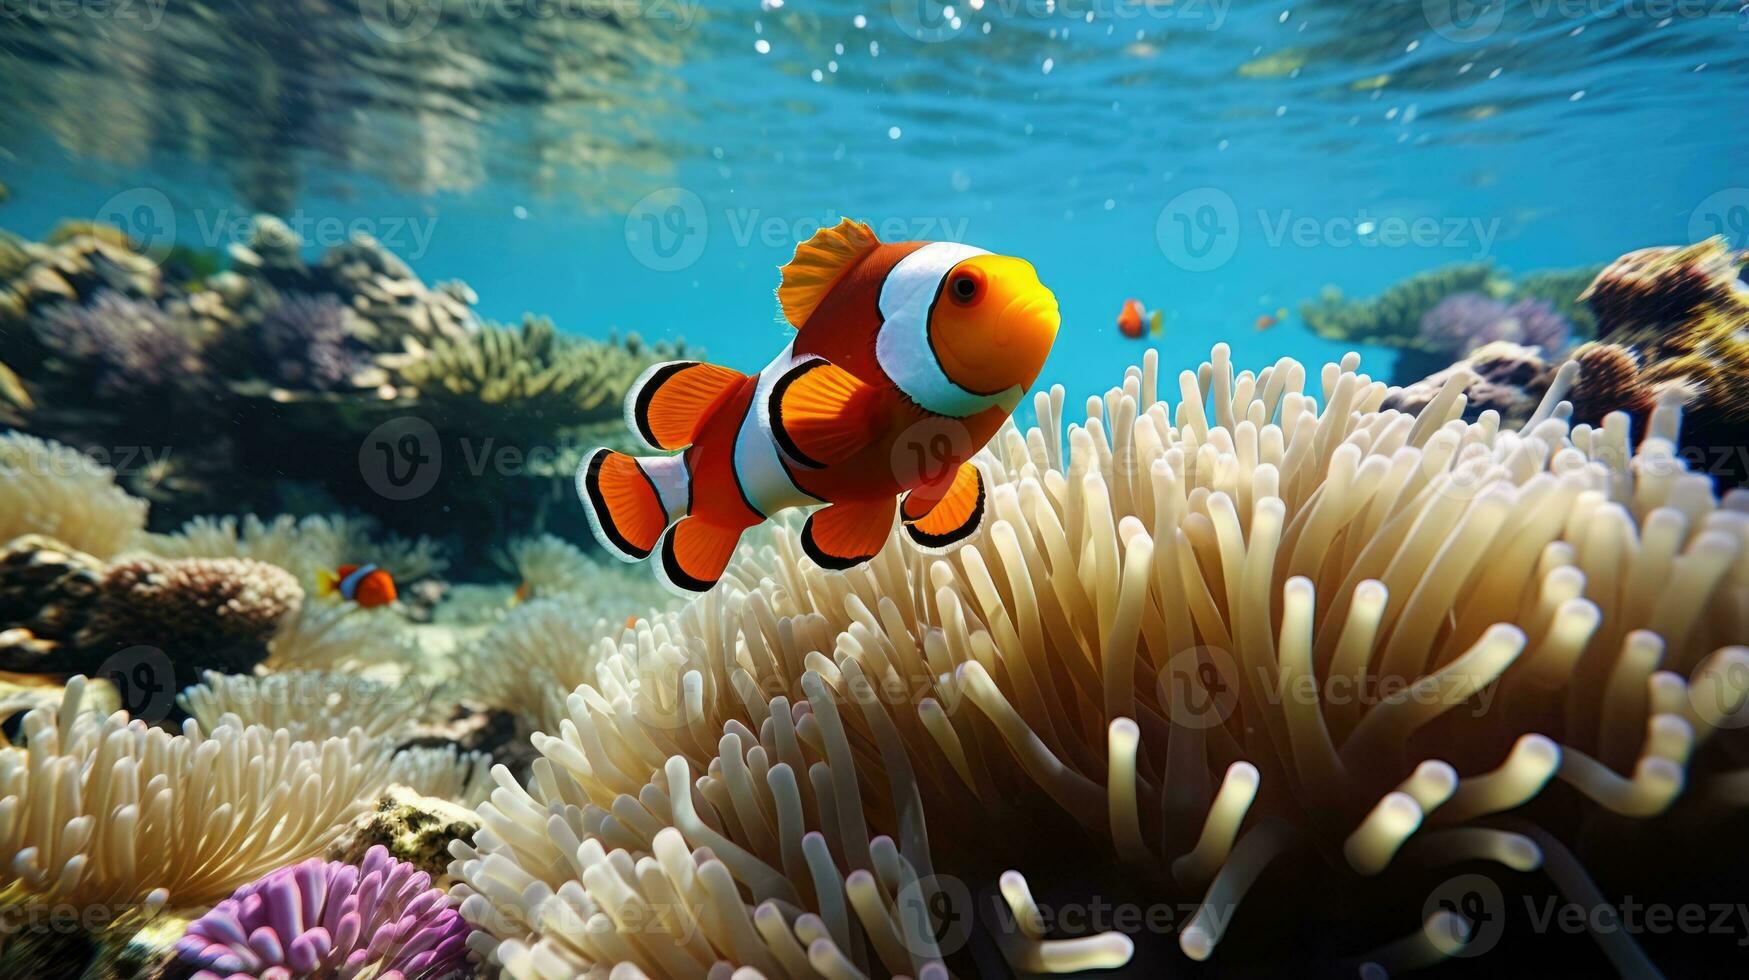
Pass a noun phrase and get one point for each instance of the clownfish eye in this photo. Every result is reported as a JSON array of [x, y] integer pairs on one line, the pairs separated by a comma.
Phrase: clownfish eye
[[967, 287]]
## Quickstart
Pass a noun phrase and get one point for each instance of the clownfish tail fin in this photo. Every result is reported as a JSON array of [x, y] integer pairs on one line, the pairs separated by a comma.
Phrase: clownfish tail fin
[[327, 583], [669, 401], [695, 553], [631, 500]]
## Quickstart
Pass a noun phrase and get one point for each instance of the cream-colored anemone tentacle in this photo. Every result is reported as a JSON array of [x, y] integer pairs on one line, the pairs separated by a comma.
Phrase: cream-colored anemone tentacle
[[1209, 633]]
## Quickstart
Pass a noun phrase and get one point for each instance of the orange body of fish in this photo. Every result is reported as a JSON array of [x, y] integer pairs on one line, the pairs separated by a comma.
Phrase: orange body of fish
[[367, 585], [907, 358], [1265, 321], [1130, 321]]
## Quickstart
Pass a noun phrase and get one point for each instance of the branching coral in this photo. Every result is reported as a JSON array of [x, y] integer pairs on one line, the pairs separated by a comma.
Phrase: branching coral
[[1253, 628], [1462, 323], [531, 372], [305, 341], [128, 348], [47, 488], [324, 918]]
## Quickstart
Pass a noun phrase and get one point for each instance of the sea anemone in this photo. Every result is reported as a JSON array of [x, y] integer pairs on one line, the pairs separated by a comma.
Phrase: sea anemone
[[131, 347], [539, 653], [1462, 323], [380, 919], [110, 813], [51, 489], [306, 341], [306, 546], [1249, 630], [309, 704]]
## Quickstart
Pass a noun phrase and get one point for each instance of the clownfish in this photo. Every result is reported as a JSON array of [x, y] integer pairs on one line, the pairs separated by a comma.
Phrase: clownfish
[[367, 585], [1130, 319], [907, 358]]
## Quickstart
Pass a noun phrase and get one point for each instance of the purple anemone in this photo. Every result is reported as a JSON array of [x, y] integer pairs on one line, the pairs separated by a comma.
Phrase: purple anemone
[[323, 918]]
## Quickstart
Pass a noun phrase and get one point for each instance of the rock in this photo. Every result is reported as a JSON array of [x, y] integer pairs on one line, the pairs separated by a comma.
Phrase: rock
[[415, 829]]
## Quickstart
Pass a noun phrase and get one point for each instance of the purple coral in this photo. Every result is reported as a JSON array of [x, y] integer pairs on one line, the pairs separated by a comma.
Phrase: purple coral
[[306, 341], [325, 918], [133, 347], [1465, 321]]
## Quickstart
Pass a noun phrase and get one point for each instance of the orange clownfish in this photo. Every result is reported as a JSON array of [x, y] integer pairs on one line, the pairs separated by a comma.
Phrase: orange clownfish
[[907, 358], [367, 585], [1131, 319]]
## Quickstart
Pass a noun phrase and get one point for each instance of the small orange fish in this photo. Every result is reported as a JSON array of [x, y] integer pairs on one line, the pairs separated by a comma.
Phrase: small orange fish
[[1131, 320], [907, 359], [367, 585], [521, 595], [631, 622], [1266, 320]]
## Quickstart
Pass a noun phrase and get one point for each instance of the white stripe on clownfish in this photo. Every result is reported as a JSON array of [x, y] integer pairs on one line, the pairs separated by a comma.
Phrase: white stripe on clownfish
[[760, 468], [903, 348], [349, 584]]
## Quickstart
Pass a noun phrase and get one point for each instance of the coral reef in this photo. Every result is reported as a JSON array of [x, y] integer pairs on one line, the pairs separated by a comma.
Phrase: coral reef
[[372, 373], [1250, 631], [307, 343], [147, 623], [1503, 377], [324, 918], [1672, 322], [122, 348], [1543, 305], [1466, 321], [412, 828], [48, 488]]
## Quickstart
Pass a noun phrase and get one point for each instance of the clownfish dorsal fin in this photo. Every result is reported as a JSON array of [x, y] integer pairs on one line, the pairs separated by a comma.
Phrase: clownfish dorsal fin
[[818, 264]]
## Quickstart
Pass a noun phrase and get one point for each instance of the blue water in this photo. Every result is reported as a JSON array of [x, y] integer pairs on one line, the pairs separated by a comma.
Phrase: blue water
[[1215, 161]]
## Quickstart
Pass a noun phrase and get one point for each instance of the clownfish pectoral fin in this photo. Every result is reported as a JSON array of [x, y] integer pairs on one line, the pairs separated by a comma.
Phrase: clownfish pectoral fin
[[818, 264], [694, 555], [669, 401], [939, 516], [847, 534], [630, 500], [822, 414]]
